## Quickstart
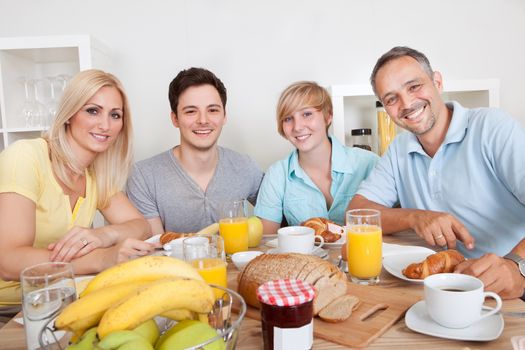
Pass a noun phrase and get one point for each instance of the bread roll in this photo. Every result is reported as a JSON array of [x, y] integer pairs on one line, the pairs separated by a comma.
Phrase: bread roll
[[321, 228], [169, 236], [444, 261]]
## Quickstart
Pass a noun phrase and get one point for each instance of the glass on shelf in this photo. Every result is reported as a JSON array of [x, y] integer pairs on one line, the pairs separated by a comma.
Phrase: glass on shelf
[[32, 110]]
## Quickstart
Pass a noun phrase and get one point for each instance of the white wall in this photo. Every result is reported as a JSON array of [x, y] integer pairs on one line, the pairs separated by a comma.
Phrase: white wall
[[258, 47]]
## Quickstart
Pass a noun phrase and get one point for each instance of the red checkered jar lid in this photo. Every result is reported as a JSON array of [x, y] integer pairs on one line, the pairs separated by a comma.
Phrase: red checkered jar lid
[[285, 292]]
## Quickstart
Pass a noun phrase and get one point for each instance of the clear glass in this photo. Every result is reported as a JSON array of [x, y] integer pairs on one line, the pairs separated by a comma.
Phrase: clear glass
[[206, 254], [32, 110], [364, 245], [46, 289], [233, 226]]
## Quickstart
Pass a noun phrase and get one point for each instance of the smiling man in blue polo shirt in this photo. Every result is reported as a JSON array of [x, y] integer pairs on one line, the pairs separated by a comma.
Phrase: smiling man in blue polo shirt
[[458, 174]]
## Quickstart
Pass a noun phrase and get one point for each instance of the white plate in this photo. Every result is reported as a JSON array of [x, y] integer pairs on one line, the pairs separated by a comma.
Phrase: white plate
[[395, 263], [337, 244], [418, 320], [320, 252]]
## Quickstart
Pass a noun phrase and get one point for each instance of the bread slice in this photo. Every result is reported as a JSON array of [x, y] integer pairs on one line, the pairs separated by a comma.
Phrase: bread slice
[[339, 309], [328, 289]]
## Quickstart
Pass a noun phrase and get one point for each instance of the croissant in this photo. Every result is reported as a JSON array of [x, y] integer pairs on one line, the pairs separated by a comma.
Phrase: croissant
[[320, 226], [169, 236], [444, 261]]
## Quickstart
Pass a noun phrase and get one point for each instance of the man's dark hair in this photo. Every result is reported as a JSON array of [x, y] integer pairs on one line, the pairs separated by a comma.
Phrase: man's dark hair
[[194, 77], [398, 52]]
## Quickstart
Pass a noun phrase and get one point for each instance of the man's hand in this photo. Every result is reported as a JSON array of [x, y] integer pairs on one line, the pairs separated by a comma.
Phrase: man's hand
[[499, 275], [440, 229]]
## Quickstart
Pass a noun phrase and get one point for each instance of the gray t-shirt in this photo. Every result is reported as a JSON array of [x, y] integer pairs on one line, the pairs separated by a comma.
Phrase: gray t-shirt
[[160, 187]]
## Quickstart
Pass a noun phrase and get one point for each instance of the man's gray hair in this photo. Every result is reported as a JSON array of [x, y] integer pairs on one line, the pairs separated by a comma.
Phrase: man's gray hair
[[398, 52]]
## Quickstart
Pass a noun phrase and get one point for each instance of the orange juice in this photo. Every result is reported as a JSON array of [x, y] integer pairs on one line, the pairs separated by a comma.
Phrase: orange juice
[[213, 270], [364, 250], [234, 231]]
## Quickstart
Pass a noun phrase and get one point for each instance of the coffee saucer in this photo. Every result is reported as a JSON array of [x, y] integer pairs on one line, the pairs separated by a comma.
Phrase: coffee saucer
[[418, 320], [320, 252]]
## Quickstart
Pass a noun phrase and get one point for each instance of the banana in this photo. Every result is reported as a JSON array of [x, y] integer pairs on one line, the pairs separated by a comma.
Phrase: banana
[[178, 314], [86, 312], [148, 330], [154, 299], [209, 230], [86, 341], [79, 327], [147, 268]]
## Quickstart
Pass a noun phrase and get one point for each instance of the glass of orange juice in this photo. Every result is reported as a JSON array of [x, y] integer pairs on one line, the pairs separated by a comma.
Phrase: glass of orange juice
[[233, 226], [364, 245], [206, 254]]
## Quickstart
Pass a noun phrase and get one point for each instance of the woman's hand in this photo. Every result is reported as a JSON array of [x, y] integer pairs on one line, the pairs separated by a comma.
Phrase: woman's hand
[[132, 248], [78, 242]]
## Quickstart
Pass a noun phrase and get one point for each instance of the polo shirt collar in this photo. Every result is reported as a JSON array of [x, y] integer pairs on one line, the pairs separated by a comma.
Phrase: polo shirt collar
[[339, 160], [455, 133]]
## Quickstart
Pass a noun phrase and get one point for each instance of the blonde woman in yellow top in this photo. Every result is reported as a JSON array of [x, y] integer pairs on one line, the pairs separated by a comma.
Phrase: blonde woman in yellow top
[[51, 187]]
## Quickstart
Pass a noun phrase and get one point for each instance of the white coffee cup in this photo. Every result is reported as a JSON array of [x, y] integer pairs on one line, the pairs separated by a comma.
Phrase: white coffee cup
[[455, 300], [298, 239]]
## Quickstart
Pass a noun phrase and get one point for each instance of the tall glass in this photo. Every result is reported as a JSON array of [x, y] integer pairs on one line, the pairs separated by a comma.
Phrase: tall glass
[[206, 254], [364, 245], [46, 289], [233, 226]]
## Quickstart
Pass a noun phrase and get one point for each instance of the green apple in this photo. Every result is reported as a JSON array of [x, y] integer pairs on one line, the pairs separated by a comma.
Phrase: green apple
[[189, 333], [255, 231]]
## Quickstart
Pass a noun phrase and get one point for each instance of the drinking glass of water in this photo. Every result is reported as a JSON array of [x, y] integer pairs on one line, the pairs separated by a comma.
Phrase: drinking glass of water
[[46, 289]]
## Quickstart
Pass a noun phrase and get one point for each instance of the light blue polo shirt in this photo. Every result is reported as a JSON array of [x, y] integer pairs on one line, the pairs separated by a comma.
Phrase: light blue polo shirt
[[287, 189], [477, 175]]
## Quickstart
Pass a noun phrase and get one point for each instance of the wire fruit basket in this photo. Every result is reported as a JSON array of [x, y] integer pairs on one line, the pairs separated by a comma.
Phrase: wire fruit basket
[[226, 317]]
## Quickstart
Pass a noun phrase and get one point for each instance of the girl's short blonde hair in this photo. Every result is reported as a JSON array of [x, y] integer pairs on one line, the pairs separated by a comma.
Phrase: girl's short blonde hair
[[303, 94], [110, 168]]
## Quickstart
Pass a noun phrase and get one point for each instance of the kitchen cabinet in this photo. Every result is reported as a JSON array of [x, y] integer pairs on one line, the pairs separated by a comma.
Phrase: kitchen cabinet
[[44, 62], [355, 108]]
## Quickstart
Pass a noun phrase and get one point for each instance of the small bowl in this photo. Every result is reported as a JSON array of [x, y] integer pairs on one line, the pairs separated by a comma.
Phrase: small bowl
[[241, 259]]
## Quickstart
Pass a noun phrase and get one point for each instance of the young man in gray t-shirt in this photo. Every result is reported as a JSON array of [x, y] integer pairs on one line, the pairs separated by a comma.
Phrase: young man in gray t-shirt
[[183, 188]]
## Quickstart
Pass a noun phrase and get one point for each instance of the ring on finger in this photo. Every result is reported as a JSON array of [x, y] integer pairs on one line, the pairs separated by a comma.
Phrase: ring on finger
[[438, 237], [84, 242]]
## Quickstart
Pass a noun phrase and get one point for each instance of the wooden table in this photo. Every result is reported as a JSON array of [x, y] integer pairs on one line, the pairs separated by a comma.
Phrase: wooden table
[[397, 337]]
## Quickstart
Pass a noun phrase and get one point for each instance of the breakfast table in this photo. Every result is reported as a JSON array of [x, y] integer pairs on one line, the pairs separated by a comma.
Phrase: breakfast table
[[397, 336]]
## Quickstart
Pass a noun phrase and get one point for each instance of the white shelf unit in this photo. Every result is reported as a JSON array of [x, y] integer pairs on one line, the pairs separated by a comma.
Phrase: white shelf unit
[[36, 58], [354, 105]]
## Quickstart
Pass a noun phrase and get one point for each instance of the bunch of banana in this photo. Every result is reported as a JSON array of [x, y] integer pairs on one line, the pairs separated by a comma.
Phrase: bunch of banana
[[86, 312], [148, 268], [154, 285], [154, 299]]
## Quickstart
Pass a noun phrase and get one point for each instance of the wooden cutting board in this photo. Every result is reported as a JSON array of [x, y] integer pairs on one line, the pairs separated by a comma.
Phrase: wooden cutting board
[[364, 325]]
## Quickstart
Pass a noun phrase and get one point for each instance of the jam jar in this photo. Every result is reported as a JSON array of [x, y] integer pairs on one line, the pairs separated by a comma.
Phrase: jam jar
[[286, 314]]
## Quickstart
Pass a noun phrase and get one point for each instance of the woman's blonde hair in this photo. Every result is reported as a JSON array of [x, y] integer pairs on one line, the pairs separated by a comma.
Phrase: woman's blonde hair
[[110, 168], [303, 94]]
